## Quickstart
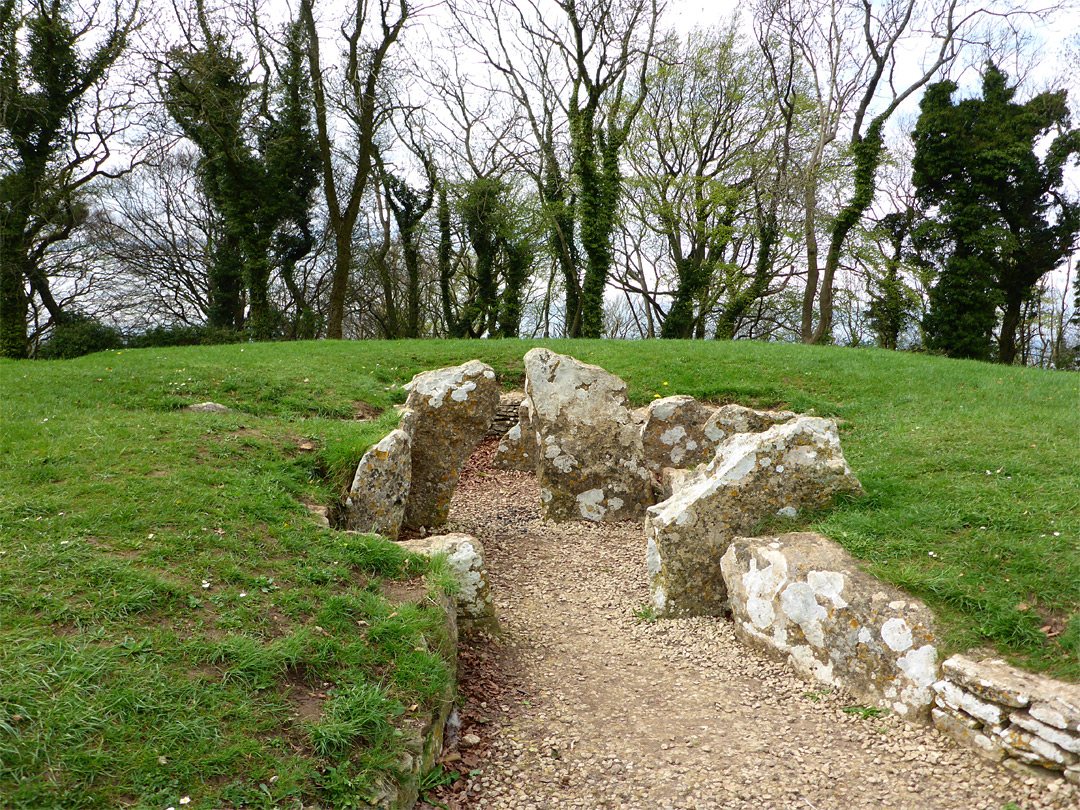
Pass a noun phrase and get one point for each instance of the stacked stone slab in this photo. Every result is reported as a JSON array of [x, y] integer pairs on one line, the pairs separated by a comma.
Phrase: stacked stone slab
[[517, 448], [673, 434], [454, 407], [803, 598], [506, 415], [791, 467], [591, 463], [380, 487], [1010, 716], [465, 555]]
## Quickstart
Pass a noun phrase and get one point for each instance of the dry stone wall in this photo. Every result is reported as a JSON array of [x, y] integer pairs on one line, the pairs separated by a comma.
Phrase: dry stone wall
[[1023, 720]]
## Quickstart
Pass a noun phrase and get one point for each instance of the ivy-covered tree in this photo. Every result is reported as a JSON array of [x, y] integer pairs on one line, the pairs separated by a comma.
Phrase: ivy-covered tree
[[1000, 214], [503, 253], [259, 167], [57, 116]]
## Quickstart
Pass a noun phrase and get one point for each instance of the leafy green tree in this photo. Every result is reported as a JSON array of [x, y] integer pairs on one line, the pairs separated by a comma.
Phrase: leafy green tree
[[1001, 217], [259, 167], [503, 253], [57, 117]]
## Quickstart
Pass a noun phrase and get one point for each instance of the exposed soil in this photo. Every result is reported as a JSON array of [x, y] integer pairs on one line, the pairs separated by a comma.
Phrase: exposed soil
[[584, 704]]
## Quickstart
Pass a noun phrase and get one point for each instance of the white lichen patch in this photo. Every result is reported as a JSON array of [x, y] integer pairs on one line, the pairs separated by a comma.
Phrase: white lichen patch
[[590, 504], [897, 635], [762, 585], [919, 669], [461, 392], [672, 435], [800, 605], [865, 636], [787, 512], [828, 584]]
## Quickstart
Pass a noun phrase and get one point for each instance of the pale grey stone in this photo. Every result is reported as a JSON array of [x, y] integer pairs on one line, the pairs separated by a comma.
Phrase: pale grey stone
[[380, 487], [802, 597], [730, 420], [452, 410], [673, 434], [967, 732], [752, 476], [465, 555], [590, 461], [207, 407]]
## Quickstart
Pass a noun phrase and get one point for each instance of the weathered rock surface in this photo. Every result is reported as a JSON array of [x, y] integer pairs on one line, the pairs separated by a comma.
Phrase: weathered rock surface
[[670, 480], [673, 434], [207, 407], [453, 408], [730, 420], [465, 555], [802, 597], [789, 468], [380, 487], [590, 457], [517, 449], [1010, 714]]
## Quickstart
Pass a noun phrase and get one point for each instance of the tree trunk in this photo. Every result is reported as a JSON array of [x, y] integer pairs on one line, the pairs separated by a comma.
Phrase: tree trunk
[[13, 304], [339, 285], [1009, 323]]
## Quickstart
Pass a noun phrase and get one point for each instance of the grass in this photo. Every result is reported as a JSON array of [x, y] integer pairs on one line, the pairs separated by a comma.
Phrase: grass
[[127, 683]]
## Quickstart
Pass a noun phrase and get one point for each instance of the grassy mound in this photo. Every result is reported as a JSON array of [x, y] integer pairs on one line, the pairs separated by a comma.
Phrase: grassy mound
[[172, 623]]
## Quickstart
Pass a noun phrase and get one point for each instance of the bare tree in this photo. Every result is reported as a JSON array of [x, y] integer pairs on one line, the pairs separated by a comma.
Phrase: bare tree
[[360, 103]]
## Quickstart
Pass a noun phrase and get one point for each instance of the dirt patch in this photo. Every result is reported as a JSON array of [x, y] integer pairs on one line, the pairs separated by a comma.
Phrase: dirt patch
[[363, 412], [398, 592]]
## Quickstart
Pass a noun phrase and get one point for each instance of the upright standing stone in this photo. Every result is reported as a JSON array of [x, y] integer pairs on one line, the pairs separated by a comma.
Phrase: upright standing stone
[[790, 467], [453, 408], [380, 487], [591, 463], [674, 433], [517, 448]]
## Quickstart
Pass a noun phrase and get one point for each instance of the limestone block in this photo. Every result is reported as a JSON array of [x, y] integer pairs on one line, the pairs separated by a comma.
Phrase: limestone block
[[1054, 703], [673, 434], [517, 448], [951, 695], [1034, 750], [590, 461], [793, 466], [1066, 740], [206, 407], [466, 557], [730, 420], [380, 487], [1061, 711], [967, 732], [453, 408], [802, 597], [991, 679], [1072, 774]]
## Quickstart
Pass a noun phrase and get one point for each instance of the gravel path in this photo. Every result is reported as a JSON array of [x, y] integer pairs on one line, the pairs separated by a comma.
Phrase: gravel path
[[609, 711]]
